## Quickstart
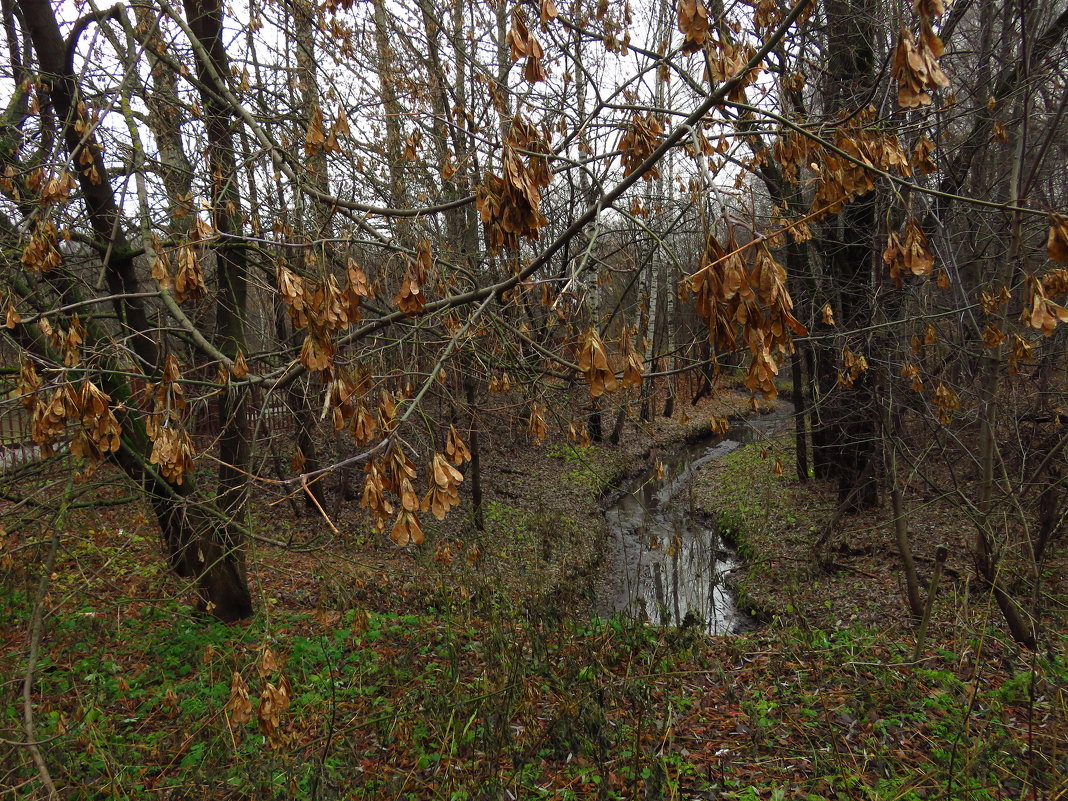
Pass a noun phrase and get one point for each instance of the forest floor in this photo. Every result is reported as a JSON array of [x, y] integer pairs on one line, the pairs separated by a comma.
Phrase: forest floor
[[472, 667]]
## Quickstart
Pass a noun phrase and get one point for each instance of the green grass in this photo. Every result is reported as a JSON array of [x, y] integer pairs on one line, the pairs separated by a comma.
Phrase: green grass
[[446, 705]]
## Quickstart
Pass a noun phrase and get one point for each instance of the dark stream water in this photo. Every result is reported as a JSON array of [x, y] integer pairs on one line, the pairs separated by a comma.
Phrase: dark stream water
[[664, 560]]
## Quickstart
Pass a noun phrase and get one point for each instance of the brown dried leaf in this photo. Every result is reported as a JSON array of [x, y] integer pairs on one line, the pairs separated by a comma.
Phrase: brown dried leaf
[[693, 23], [593, 363], [536, 423], [1057, 242], [238, 707], [314, 137], [455, 448], [240, 366]]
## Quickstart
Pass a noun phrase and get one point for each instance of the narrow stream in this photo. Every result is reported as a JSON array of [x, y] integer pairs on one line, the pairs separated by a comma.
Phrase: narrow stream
[[664, 561]]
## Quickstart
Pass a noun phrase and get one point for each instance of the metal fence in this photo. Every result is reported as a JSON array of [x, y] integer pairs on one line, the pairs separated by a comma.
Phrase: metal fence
[[17, 447]]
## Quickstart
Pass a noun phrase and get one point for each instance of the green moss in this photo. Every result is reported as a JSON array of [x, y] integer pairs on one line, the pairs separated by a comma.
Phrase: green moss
[[768, 518]]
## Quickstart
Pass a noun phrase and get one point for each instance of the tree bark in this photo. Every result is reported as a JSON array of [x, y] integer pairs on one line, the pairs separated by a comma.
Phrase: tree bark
[[851, 254], [165, 122], [223, 582], [195, 548]]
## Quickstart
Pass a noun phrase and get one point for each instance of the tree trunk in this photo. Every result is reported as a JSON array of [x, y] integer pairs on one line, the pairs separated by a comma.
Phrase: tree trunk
[[215, 557], [224, 587], [475, 473], [852, 417], [901, 523], [797, 397], [318, 223], [165, 121]]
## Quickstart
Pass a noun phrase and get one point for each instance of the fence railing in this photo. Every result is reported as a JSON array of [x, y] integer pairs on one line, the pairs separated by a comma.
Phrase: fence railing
[[17, 447]]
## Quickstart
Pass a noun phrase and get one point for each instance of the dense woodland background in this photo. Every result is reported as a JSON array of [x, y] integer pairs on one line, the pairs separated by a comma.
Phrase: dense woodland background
[[289, 280]]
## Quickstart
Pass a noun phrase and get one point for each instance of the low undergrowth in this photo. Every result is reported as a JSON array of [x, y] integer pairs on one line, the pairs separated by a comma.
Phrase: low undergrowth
[[142, 702], [470, 670]]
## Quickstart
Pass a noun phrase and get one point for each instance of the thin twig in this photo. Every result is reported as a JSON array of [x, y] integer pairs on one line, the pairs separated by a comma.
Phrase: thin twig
[[36, 625]]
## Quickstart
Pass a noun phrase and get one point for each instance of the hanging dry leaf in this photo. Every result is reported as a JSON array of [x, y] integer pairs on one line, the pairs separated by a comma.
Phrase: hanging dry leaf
[[161, 266], [317, 351], [921, 159], [444, 482], [853, 364], [363, 425], [593, 362], [443, 554], [912, 372], [536, 423], [189, 281], [28, 384], [1057, 242], [314, 137], [172, 450], [947, 402], [40, 253], [637, 143], [406, 530], [523, 44], [274, 701], [908, 253], [240, 367], [546, 12], [238, 707], [455, 448], [693, 23], [374, 498], [992, 336], [341, 125], [1043, 313], [916, 68], [509, 205]]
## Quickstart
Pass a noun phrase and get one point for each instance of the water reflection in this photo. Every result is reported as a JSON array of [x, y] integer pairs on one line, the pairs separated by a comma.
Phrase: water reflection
[[669, 563]]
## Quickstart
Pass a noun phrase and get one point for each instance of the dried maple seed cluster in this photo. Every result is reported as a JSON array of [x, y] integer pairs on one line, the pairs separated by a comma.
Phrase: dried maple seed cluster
[[509, 204], [410, 297], [638, 141], [393, 475], [522, 44], [693, 24], [908, 253], [1042, 312], [172, 448], [746, 304], [87, 407], [593, 363], [633, 367], [916, 65]]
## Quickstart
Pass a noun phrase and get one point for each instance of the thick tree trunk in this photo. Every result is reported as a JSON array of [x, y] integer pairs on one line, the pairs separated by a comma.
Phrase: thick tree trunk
[[852, 413], [223, 582], [197, 550], [194, 550]]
